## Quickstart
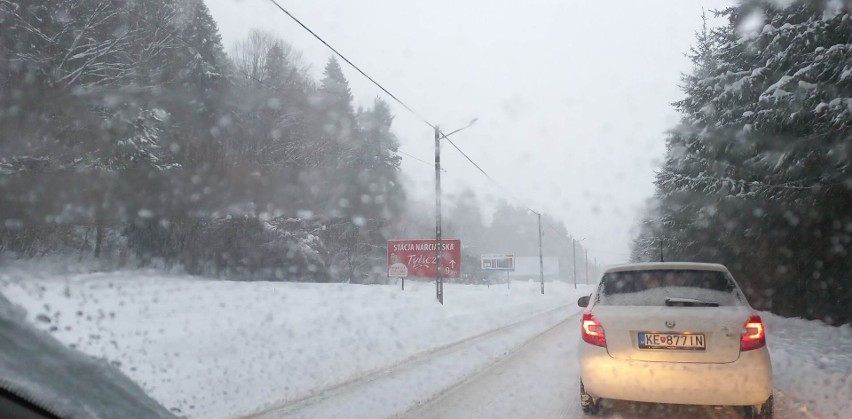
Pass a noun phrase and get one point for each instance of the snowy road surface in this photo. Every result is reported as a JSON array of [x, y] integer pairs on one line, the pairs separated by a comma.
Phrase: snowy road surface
[[421, 377], [539, 380], [535, 380]]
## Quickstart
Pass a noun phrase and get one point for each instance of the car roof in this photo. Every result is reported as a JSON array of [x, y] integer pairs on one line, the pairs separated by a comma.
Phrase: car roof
[[648, 266]]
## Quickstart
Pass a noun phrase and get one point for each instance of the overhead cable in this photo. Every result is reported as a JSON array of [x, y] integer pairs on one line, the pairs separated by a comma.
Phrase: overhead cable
[[398, 100]]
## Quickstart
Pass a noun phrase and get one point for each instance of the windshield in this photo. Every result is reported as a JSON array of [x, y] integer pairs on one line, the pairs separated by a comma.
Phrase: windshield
[[381, 208], [667, 287]]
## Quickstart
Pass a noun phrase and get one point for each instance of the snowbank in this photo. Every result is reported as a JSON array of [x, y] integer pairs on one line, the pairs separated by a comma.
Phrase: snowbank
[[206, 348], [812, 364]]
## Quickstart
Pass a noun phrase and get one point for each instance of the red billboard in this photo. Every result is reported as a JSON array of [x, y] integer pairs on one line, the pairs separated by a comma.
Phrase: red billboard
[[418, 258]]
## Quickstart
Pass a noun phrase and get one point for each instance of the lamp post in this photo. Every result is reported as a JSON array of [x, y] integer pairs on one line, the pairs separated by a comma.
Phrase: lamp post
[[439, 264], [574, 257], [597, 268], [540, 255]]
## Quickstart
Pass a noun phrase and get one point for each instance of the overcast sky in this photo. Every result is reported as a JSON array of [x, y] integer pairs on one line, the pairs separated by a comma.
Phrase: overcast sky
[[572, 97]]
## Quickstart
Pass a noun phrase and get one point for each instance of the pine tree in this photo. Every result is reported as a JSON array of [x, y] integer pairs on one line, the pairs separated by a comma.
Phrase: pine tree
[[336, 104], [199, 83], [756, 175], [377, 164]]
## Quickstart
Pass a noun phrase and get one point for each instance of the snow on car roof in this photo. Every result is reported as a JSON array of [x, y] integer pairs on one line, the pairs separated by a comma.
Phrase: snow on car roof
[[648, 266]]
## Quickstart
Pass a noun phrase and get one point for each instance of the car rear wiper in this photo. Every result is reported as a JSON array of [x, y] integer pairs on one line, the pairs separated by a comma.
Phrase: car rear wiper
[[689, 302]]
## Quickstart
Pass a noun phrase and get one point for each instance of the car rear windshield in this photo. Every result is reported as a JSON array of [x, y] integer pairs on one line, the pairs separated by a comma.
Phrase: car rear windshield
[[688, 288]]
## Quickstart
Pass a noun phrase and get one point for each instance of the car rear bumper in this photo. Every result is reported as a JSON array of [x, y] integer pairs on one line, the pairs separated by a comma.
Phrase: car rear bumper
[[747, 381]]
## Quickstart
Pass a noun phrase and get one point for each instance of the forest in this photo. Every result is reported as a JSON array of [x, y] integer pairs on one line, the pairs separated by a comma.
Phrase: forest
[[131, 135]]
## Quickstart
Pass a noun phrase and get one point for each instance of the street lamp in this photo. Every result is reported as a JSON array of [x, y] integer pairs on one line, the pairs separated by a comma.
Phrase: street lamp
[[574, 256], [469, 124], [439, 280]]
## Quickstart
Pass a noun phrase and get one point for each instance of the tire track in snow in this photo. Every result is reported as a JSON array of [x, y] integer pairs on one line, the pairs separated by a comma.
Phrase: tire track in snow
[[302, 406]]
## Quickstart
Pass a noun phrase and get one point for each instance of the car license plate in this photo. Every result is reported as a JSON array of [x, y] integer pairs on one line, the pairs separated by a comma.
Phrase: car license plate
[[681, 341]]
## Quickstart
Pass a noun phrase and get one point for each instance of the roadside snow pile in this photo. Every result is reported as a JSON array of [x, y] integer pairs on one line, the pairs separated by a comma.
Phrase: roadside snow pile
[[812, 364], [207, 348]]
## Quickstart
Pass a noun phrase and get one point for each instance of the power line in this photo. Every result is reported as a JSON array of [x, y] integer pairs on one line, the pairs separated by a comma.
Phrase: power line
[[558, 233], [398, 100], [466, 156], [408, 108], [413, 157], [417, 159], [481, 170], [261, 82]]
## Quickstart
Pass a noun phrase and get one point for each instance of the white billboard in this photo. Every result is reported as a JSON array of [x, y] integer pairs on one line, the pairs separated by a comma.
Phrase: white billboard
[[528, 266], [497, 262]]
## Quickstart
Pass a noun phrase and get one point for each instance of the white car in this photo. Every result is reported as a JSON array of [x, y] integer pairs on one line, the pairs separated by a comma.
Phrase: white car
[[679, 333]]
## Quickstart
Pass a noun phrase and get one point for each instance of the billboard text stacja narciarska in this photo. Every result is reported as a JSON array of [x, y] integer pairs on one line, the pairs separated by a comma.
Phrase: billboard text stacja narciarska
[[418, 258]]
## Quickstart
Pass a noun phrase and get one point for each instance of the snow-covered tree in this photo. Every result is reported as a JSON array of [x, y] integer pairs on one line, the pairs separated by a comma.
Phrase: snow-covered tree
[[757, 174]]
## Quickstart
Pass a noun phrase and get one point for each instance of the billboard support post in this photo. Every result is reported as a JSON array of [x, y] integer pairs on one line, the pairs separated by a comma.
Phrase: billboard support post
[[498, 262]]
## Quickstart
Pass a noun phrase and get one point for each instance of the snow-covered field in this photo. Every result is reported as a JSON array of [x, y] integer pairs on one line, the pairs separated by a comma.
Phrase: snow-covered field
[[207, 348]]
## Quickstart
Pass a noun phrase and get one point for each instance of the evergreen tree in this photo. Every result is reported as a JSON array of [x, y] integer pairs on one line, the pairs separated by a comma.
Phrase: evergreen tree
[[337, 139], [336, 106], [377, 186], [756, 176]]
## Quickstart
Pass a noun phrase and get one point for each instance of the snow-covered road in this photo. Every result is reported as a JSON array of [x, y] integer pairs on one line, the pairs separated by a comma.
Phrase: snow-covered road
[[421, 377], [539, 380]]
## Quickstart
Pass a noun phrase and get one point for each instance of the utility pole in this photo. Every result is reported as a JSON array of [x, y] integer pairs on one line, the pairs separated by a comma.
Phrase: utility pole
[[574, 257], [439, 280], [439, 245], [587, 266], [597, 268], [540, 255]]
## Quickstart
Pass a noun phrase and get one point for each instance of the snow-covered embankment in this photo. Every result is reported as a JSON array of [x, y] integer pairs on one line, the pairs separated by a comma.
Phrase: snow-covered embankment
[[208, 348]]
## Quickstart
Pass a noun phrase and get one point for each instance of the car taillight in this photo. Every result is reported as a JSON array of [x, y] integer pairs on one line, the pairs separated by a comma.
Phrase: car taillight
[[754, 334], [593, 332]]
